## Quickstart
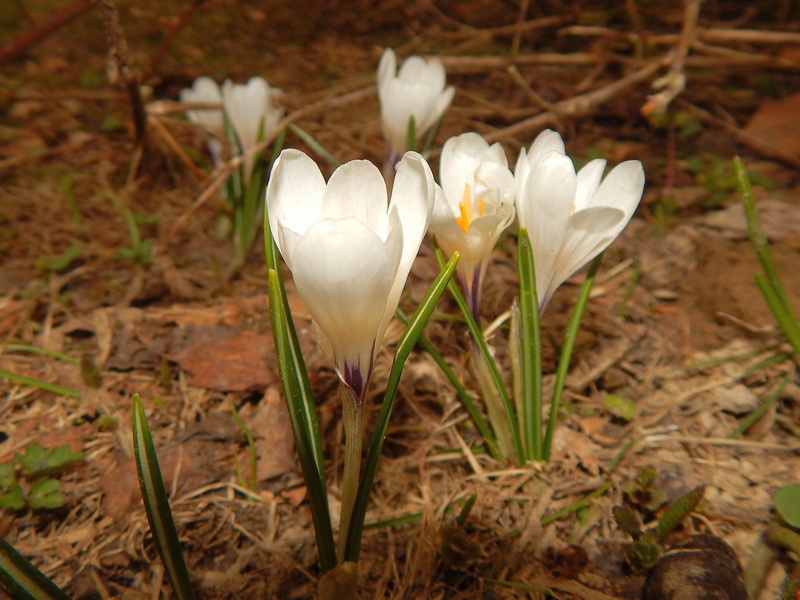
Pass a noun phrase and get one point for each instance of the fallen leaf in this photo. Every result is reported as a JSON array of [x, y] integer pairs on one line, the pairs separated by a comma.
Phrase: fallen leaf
[[233, 364], [272, 429], [778, 124]]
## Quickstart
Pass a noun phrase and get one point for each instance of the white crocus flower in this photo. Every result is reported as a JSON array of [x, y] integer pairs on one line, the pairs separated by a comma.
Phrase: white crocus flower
[[205, 90], [247, 106], [571, 217], [349, 249], [475, 205], [418, 90]]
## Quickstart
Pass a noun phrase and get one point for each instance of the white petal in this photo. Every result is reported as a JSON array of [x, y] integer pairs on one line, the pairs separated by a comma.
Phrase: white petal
[[547, 141], [444, 226], [496, 154], [544, 210], [414, 69], [342, 273], [546, 202], [589, 232], [413, 196], [461, 156], [204, 89], [387, 68], [622, 188], [495, 179], [588, 181], [357, 190], [522, 171], [294, 198]]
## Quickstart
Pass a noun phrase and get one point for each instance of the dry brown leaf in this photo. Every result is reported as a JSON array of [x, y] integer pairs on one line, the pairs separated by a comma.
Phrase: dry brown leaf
[[778, 124], [233, 364]]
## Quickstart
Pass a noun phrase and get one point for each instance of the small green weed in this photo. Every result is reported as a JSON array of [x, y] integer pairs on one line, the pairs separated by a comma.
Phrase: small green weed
[[26, 479]]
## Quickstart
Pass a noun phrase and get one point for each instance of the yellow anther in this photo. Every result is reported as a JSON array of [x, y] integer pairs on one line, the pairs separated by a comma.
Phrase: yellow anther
[[466, 217]]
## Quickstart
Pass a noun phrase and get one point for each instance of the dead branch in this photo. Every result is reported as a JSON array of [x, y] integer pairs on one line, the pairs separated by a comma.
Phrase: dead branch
[[120, 67], [50, 25], [578, 105], [674, 82]]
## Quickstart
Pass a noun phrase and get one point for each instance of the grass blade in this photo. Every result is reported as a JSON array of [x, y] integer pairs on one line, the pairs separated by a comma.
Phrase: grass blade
[[21, 580], [302, 415], [404, 347], [42, 385], [156, 505], [786, 315], [461, 391], [566, 352], [762, 409], [312, 143], [300, 402], [477, 336], [531, 350]]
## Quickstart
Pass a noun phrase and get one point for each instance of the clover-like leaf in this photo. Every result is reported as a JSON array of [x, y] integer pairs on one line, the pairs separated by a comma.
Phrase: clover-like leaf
[[787, 503], [45, 493], [34, 458], [8, 475], [37, 460], [14, 498]]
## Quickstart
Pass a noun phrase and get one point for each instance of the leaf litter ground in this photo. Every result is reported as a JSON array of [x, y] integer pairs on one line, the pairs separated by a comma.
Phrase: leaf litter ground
[[683, 348]]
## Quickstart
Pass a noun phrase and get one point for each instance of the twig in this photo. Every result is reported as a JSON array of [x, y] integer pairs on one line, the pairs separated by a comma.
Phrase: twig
[[517, 35], [674, 82], [508, 29], [120, 67], [187, 13], [50, 25], [578, 105], [710, 35]]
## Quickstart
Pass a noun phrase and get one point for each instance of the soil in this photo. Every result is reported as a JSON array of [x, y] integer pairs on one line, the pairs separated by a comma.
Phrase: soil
[[676, 327]]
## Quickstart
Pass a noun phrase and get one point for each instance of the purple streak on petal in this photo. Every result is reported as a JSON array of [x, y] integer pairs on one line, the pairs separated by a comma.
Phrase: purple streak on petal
[[358, 379], [472, 293], [475, 295]]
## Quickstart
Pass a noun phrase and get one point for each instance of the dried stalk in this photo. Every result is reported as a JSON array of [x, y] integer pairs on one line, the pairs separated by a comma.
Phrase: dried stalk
[[120, 67]]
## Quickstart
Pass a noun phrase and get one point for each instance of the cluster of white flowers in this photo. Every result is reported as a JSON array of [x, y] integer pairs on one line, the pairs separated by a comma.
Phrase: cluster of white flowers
[[350, 247], [249, 108]]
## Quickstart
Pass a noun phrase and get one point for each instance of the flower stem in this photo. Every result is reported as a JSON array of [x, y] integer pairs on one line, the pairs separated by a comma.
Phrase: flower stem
[[353, 413], [494, 405]]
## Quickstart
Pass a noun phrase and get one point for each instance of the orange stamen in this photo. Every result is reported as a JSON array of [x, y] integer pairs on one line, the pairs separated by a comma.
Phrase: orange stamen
[[467, 217]]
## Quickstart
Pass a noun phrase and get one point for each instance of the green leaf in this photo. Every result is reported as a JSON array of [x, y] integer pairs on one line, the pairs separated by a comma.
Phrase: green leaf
[[404, 347], [411, 134], [8, 474], [627, 521], [34, 458], [676, 513], [566, 351], [156, 504], [300, 402], [772, 288], [37, 460], [477, 336], [60, 262], [461, 391], [61, 456], [90, 373], [42, 385], [787, 503], [21, 580], [530, 350], [312, 143], [620, 407], [44, 493], [14, 498]]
